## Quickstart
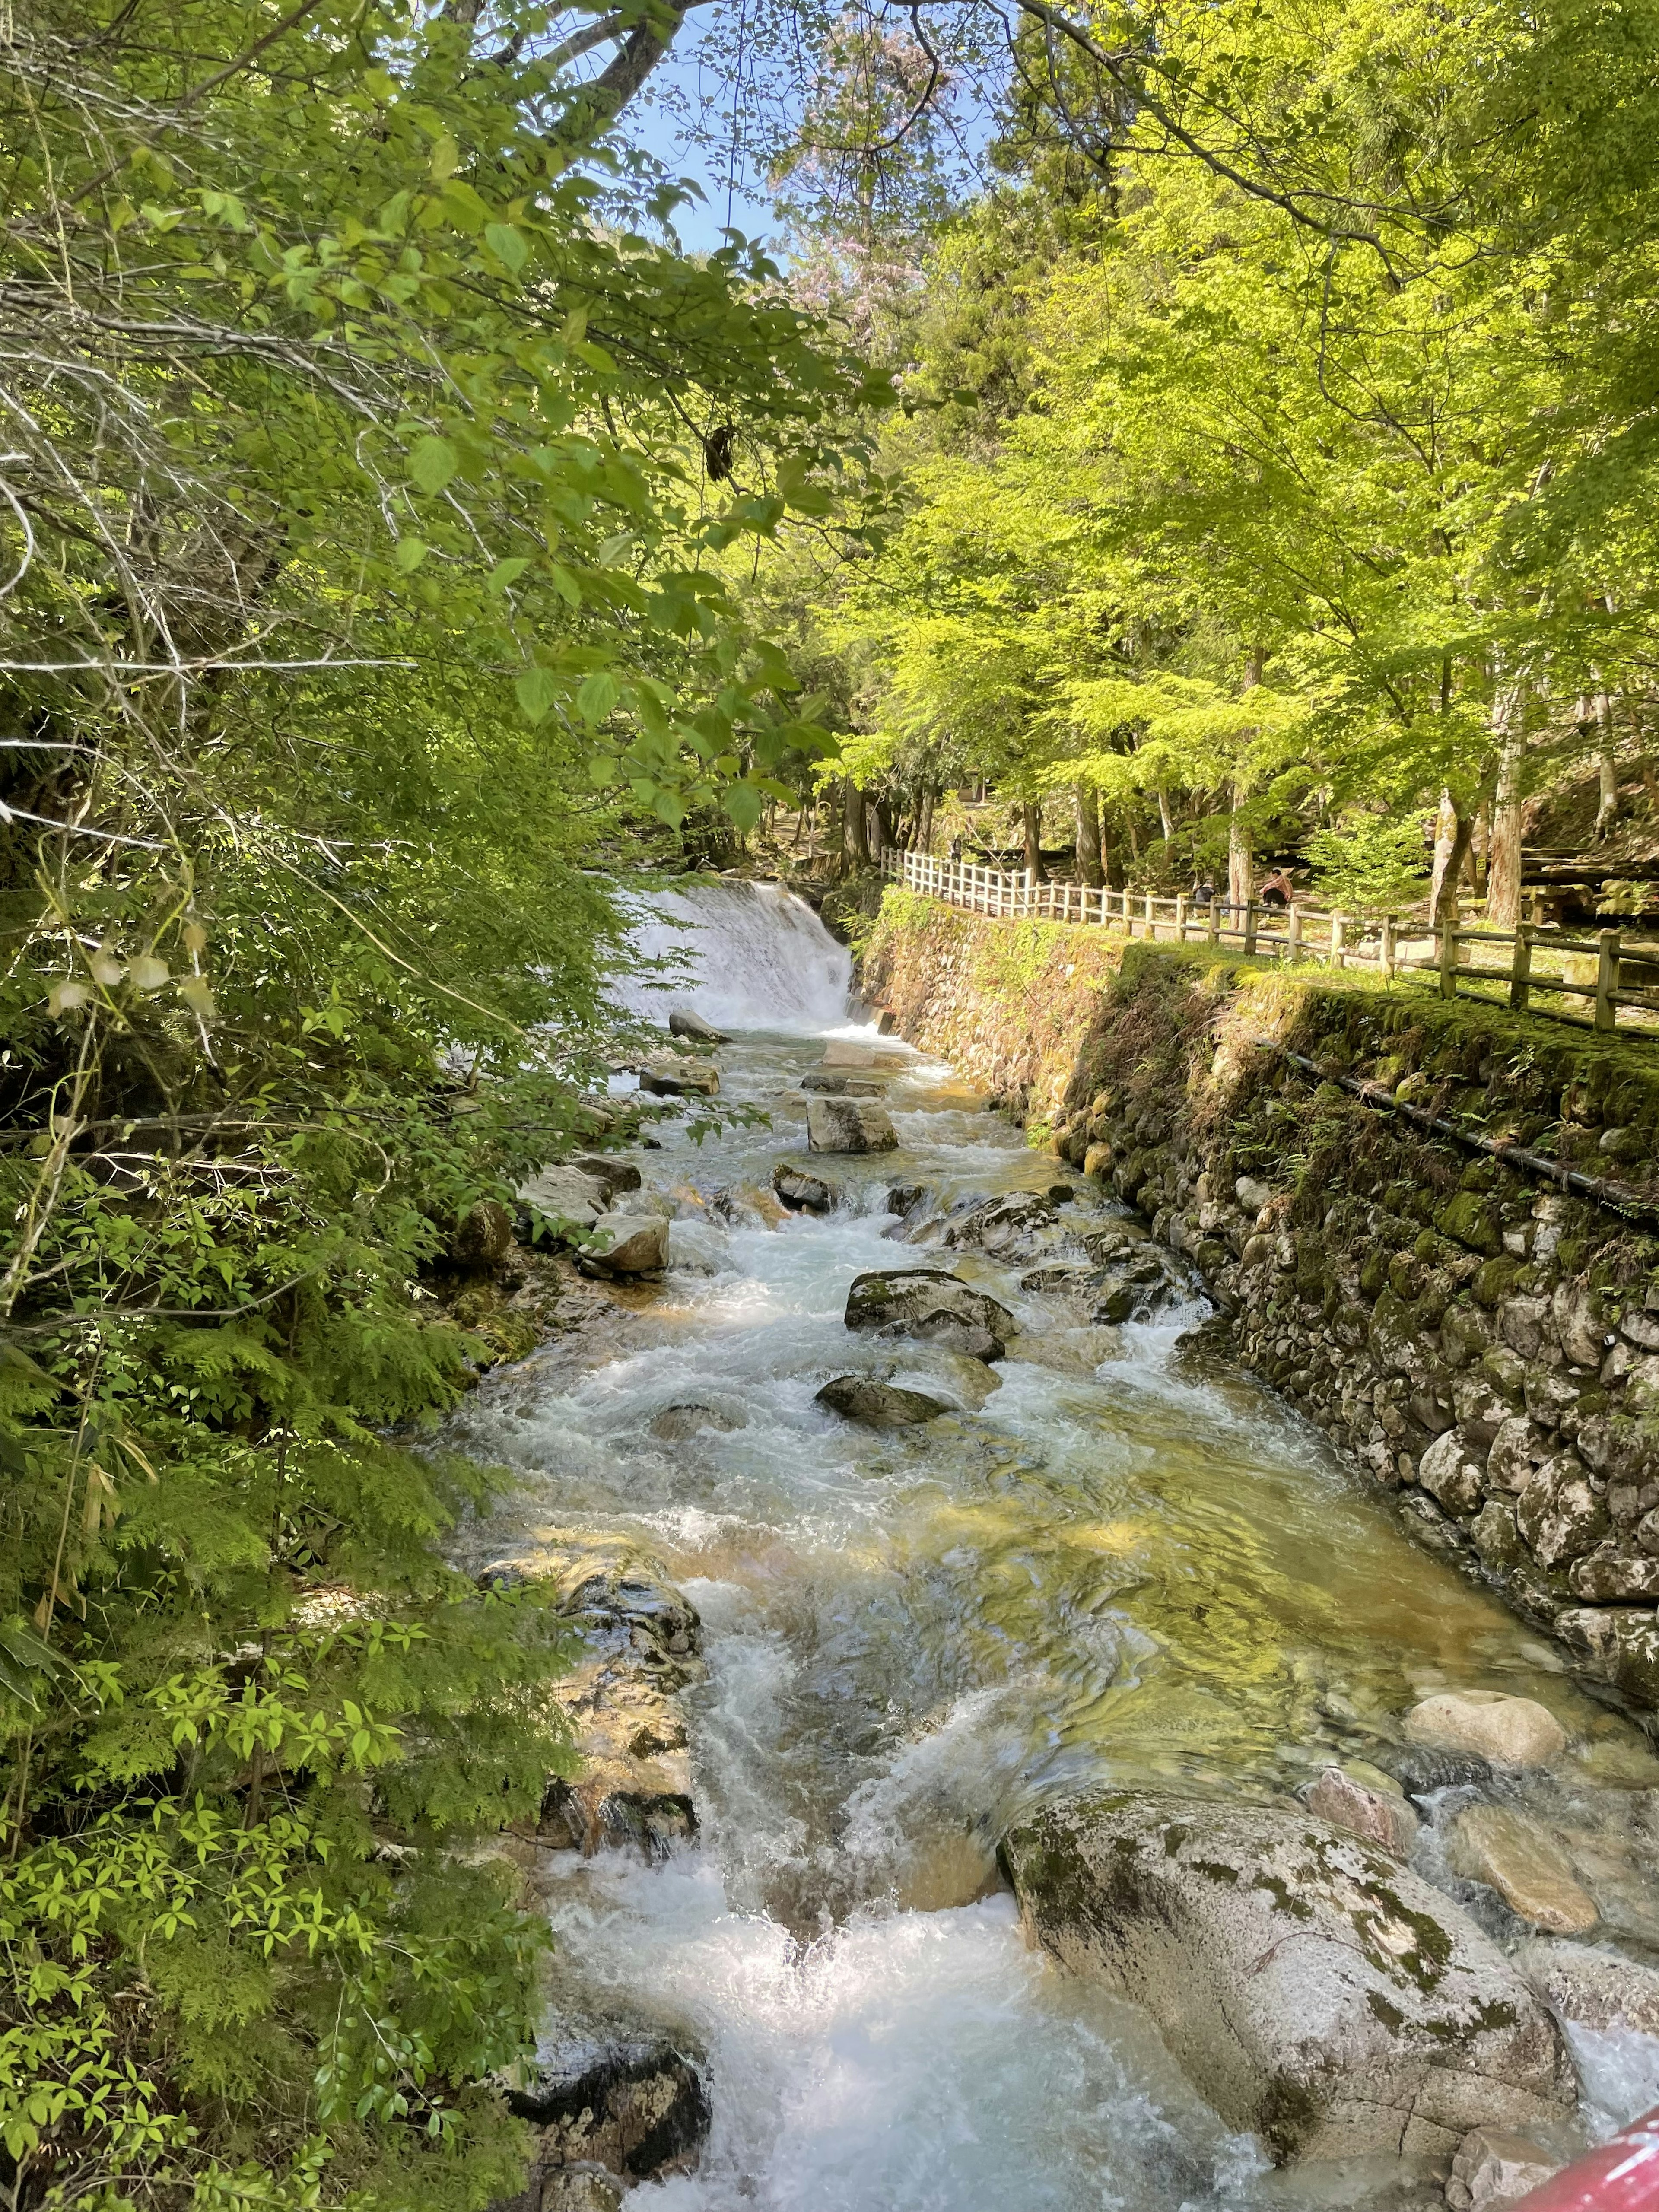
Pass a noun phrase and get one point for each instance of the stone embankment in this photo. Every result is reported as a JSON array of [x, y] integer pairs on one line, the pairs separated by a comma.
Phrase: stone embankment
[[1485, 1343]]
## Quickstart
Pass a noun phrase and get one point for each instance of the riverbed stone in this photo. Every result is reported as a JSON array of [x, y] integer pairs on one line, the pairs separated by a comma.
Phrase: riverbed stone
[[1612, 1574], [1513, 1855], [932, 1303], [848, 1125], [1495, 2167], [1590, 1987], [609, 2100], [676, 1074], [626, 1244], [1374, 1816], [1509, 1731], [684, 1022], [483, 1237], [1317, 1992], [1422, 1769], [842, 1051], [879, 1405], [803, 1192]]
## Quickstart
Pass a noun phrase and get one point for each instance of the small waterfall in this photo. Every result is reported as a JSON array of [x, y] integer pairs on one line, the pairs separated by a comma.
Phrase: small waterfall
[[746, 956]]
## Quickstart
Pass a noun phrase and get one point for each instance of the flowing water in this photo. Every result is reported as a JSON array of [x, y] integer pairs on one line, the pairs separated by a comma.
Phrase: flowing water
[[1125, 1561]]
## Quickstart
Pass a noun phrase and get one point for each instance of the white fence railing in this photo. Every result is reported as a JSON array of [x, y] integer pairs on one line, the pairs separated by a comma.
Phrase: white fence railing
[[1617, 978]]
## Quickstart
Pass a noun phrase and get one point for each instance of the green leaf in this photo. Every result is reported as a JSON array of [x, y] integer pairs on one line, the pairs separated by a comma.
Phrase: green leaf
[[601, 769], [409, 554], [743, 803], [597, 697], [510, 246], [432, 462], [535, 691], [507, 572]]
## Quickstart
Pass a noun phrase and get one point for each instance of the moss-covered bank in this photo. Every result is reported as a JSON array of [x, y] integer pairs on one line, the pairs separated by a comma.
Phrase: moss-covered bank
[[1486, 1345]]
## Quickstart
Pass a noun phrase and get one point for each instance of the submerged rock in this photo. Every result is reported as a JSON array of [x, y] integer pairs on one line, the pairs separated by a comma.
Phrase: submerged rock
[[1524, 1864], [637, 1245], [682, 1022], [848, 1125], [802, 1192], [1316, 1991], [930, 1303], [1591, 1988], [844, 1053], [1420, 1770], [1509, 1731], [879, 1405], [675, 1424]]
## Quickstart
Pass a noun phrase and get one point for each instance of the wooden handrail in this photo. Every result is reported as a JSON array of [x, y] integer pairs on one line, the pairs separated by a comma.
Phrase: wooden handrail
[[1388, 943]]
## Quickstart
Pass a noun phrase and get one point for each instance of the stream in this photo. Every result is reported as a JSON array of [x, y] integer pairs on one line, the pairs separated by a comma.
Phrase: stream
[[1128, 1562]]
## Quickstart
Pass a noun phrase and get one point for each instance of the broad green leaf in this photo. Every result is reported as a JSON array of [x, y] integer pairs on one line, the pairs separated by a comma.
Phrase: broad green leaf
[[432, 462], [409, 554], [597, 697], [509, 246], [536, 690]]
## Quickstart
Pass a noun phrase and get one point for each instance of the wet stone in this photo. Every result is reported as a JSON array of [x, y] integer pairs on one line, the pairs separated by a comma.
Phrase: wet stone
[[803, 1192], [879, 1405], [1509, 1731], [932, 1303], [1372, 1814], [1520, 1860]]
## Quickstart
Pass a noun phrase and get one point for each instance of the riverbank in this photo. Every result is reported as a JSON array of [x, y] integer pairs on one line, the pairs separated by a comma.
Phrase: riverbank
[[1484, 1344]]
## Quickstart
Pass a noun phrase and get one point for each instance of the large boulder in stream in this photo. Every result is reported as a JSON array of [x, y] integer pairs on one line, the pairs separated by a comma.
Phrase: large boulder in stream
[[682, 1023], [627, 1244], [801, 1192], [1316, 1991], [930, 1303], [673, 1074], [848, 1125], [879, 1405]]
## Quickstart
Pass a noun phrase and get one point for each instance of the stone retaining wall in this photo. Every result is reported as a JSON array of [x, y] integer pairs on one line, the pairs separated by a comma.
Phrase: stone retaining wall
[[1486, 1346]]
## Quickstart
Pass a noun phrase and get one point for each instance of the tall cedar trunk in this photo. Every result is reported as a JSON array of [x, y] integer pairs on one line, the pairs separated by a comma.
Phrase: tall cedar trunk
[[878, 823], [1503, 855], [855, 839], [1240, 862], [1031, 816], [1454, 833], [1606, 797], [1089, 870], [1165, 818], [924, 821]]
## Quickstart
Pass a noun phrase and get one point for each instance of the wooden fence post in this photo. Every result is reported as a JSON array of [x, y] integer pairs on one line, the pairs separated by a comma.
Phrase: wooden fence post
[[1250, 930], [1152, 919], [1520, 968], [1448, 931], [1215, 919], [1180, 918], [1607, 978], [1387, 954], [1293, 933], [1338, 940]]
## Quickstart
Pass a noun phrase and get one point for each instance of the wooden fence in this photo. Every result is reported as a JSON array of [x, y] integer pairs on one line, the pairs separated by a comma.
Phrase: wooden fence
[[1619, 981]]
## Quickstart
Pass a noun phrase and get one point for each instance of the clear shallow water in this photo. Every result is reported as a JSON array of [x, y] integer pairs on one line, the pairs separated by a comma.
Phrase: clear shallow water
[[1126, 1563]]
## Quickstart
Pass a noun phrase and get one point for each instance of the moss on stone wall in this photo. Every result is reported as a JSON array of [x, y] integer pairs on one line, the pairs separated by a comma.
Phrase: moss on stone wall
[[1486, 1346]]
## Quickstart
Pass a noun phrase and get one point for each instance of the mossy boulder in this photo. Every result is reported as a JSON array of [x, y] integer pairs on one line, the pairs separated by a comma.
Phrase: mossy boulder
[[1317, 1992]]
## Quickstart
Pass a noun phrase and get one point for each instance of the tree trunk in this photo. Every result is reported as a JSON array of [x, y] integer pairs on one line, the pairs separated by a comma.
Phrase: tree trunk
[[855, 839], [1030, 815], [1240, 862], [924, 821], [1606, 797], [1089, 870], [1454, 833], [878, 826], [1504, 854], [1241, 867], [1165, 818]]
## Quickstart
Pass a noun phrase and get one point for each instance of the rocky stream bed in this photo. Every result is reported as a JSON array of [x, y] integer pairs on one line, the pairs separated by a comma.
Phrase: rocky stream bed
[[1022, 1767]]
